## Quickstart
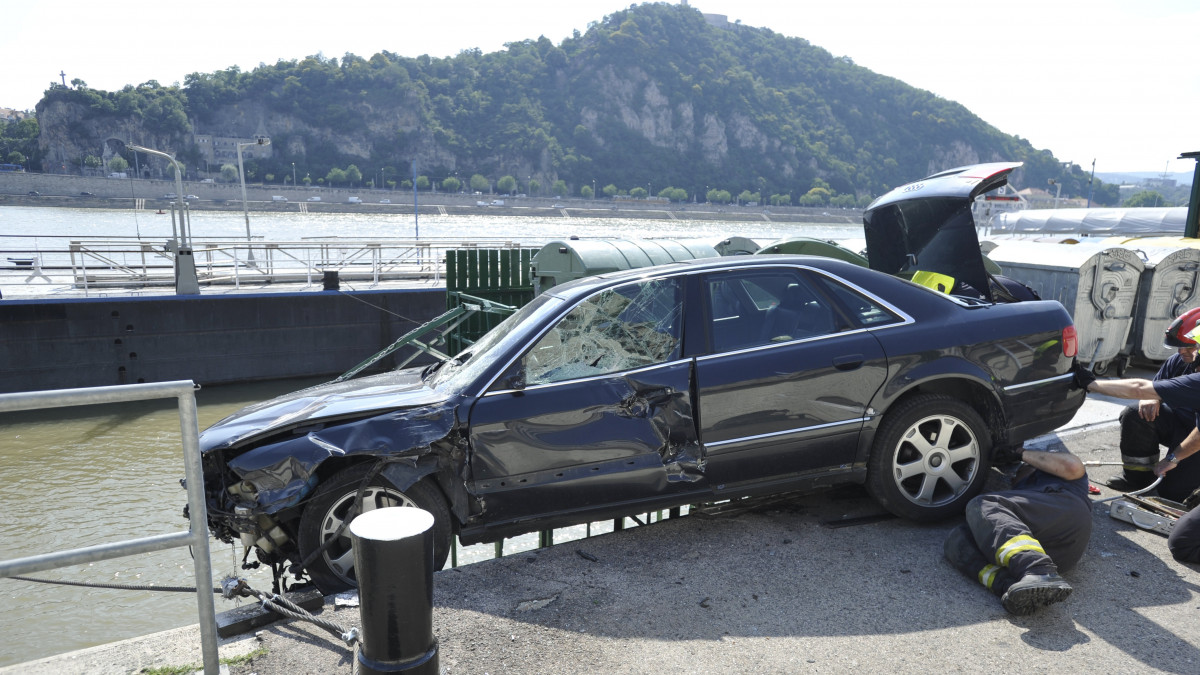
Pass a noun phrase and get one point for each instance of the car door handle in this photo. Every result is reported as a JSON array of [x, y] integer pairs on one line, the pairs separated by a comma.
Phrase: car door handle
[[848, 362]]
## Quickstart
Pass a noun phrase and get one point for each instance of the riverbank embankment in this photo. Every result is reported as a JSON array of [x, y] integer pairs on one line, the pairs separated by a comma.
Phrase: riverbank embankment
[[127, 193]]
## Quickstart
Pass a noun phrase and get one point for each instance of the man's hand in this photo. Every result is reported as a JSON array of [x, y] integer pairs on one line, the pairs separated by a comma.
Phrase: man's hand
[[1148, 410], [1081, 377], [1164, 466]]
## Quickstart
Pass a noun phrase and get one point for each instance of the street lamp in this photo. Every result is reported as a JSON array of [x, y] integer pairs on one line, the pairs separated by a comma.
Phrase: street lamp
[[261, 140], [593, 188], [293, 174], [186, 282]]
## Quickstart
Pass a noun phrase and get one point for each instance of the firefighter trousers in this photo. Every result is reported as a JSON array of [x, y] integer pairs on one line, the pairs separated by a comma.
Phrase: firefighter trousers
[[1141, 441], [1017, 532]]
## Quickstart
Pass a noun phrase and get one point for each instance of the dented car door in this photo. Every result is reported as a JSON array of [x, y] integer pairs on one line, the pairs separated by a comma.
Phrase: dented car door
[[597, 414]]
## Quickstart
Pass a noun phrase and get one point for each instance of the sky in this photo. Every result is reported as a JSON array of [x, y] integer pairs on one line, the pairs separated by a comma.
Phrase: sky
[[1110, 81]]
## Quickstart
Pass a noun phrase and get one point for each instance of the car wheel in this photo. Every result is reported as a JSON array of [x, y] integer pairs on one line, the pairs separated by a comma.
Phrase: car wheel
[[333, 569], [929, 458]]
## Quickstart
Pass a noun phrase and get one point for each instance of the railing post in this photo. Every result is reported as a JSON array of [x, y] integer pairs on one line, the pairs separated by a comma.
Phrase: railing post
[[393, 561]]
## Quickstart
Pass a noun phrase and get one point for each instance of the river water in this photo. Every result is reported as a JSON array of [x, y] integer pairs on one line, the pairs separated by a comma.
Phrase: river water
[[75, 477]]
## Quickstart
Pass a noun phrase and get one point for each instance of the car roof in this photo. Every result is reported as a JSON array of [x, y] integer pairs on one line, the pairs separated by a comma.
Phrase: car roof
[[586, 285]]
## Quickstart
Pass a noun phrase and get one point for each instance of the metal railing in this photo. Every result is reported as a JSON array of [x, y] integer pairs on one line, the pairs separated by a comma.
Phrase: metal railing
[[137, 266], [196, 536]]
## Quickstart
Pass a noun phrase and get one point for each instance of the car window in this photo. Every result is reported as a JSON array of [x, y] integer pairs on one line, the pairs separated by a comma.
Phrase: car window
[[616, 329], [865, 310], [749, 308]]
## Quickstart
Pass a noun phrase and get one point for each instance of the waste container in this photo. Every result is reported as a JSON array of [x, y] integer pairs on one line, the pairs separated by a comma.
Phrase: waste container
[[1097, 285], [1170, 286], [810, 246], [562, 261]]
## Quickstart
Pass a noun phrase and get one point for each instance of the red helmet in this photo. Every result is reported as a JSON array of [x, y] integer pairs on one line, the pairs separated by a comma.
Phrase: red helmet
[[1177, 333]]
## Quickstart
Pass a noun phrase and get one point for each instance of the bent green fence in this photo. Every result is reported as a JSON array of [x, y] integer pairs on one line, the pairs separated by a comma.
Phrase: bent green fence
[[499, 275]]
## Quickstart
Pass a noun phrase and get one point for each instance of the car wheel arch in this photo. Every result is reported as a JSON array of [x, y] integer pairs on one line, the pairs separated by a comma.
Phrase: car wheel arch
[[973, 390], [403, 473]]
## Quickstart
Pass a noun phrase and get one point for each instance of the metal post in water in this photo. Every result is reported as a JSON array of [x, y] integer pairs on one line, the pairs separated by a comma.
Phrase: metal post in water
[[393, 561]]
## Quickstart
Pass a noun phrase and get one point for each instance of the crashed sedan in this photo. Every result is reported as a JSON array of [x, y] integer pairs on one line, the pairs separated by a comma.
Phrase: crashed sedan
[[694, 382]]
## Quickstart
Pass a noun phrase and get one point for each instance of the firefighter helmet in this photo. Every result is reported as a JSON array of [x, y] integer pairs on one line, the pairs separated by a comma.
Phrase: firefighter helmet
[[1179, 333]]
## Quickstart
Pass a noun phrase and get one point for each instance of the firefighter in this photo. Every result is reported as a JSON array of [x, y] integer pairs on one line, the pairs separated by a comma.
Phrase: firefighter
[[1016, 542], [1181, 396], [1154, 422]]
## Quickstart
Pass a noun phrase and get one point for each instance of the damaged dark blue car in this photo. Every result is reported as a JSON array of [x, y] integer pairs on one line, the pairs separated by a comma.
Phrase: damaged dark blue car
[[709, 380]]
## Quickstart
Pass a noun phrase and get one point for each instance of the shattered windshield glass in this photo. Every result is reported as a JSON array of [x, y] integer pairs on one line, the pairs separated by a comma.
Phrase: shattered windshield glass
[[614, 330]]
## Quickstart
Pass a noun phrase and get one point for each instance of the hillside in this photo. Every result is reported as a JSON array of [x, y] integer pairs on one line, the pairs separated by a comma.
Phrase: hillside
[[653, 99]]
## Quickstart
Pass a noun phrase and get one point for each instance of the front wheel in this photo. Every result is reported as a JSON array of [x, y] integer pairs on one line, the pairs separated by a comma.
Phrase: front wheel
[[929, 458], [333, 569]]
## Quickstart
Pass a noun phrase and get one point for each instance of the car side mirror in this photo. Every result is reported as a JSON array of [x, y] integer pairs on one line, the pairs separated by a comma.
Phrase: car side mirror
[[516, 381]]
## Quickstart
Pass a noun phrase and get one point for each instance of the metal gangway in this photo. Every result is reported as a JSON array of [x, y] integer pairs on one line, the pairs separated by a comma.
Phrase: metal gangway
[[134, 266]]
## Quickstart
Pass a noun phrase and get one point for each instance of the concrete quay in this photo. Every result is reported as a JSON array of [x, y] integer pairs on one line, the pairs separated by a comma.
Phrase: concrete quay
[[812, 584]]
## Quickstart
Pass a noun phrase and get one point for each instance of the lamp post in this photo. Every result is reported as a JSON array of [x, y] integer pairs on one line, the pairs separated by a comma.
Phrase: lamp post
[[186, 282], [594, 189], [261, 140], [293, 174]]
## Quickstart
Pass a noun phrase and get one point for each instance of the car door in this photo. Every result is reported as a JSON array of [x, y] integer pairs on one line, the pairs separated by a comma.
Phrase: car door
[[603, 418], [784, 389]]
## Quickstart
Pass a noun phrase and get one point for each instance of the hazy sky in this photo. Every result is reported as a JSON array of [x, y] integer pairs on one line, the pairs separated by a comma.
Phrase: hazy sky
[[1111, 80]]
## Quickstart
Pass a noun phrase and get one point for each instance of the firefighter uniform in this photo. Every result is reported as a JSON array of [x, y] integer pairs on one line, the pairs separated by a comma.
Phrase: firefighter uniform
[[1141, 439], [1023, 537], [1180, 393]]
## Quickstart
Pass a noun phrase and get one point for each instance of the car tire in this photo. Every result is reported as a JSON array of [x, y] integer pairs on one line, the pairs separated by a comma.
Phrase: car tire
[[929, 458], [333, 569]]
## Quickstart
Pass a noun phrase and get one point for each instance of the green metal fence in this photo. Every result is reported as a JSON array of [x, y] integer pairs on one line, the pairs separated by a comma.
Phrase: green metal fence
[[499, 275]]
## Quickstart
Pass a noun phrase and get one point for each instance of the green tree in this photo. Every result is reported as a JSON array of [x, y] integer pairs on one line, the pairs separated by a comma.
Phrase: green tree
[[15, 157], [560, 188], [118, 164], [90, 161], [506, 185], [307, 180], [229, 172], [480, 184], [781, 200], [638, 192], [534, 187], [353, 174], [423, 182], [610, 190], [451, 184], [586, 192], [270, 177], [1146, 198], [335, 176]]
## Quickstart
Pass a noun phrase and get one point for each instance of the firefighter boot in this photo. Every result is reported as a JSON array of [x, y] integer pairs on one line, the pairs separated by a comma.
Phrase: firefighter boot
[[1034, 591]]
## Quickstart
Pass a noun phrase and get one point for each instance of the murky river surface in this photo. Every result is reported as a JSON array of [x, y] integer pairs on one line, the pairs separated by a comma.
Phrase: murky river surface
[[81, 476]]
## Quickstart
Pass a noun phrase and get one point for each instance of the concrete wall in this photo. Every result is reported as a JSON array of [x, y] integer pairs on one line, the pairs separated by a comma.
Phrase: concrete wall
[[63, 344]]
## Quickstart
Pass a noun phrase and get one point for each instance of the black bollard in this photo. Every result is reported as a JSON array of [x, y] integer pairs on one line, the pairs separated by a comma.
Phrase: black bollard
[[393, 560], [331, 280]]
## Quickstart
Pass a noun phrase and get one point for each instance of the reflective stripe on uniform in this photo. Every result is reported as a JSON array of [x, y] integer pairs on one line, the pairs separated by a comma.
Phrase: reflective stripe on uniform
[[1018, 544], [987, 575], [1132, 463]]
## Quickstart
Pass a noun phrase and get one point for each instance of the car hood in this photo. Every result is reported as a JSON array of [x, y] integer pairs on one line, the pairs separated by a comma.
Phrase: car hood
[[927, 225], [358, 397]]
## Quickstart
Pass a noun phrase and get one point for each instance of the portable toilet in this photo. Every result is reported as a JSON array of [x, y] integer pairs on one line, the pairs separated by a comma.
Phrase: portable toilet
[[1170, 286], [562, 261], [1097, 285], [810, 246]]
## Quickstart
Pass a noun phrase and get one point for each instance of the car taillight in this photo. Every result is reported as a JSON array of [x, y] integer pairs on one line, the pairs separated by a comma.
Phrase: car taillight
[[1070, 342]]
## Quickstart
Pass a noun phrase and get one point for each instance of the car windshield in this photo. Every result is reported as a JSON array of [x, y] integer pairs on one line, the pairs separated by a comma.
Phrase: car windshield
[[470, 363]]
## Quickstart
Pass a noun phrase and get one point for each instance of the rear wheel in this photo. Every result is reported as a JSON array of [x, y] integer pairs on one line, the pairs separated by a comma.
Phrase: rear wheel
[[929, 458], [333, 569]]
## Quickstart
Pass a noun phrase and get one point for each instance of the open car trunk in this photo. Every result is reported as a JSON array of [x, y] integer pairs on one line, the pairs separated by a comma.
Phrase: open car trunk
[[924, 231]]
